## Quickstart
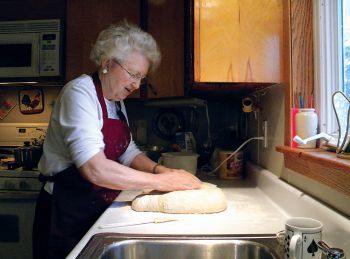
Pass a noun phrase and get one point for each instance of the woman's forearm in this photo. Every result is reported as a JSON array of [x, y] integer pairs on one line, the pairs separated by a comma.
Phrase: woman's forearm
[[143, 163], [106, 173], [109, 174]]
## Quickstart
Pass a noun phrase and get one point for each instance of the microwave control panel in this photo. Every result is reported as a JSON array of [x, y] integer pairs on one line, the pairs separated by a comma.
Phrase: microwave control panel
[[49, 54]]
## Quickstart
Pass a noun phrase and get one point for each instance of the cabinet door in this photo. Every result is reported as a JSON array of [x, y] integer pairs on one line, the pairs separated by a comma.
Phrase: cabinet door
[[32, 10], [238, 41], [85, 19], [166, 25]]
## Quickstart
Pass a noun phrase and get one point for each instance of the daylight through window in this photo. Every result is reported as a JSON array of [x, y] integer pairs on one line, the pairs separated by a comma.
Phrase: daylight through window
[[346, 46]]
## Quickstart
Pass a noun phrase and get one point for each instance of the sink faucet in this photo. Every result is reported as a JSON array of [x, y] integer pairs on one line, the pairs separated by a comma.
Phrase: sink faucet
[[331, 253]]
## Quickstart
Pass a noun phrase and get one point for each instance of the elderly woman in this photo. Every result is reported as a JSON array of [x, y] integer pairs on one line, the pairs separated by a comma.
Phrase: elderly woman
[[89, 155]]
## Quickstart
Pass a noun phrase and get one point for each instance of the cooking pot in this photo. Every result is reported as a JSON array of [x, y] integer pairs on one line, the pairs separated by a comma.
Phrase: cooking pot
[[28, 156]]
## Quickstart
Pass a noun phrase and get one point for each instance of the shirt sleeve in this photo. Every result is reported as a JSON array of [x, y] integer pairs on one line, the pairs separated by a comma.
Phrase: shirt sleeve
[[130, 153], [80, 122]]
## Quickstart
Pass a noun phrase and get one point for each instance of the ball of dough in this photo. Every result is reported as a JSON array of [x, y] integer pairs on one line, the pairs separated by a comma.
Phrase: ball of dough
[[208, 199]]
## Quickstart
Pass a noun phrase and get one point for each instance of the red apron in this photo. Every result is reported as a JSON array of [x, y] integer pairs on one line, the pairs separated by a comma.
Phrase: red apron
[[76, 203]]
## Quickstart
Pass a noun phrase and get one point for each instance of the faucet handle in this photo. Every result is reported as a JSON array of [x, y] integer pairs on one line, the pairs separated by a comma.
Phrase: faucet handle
[[331, 253]]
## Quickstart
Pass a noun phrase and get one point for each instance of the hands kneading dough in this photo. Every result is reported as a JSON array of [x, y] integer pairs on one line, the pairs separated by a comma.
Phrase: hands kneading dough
[[208, 199]]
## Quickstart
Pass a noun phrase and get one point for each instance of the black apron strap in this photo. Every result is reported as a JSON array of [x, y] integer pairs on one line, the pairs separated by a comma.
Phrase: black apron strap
[[52, 178]]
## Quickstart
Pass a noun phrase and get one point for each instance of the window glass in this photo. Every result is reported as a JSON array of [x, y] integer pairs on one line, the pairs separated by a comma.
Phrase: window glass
[[332, 61], [346, 46]]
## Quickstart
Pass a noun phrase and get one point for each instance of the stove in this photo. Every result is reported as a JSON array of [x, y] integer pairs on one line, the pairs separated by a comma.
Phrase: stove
[[19, 189], [14, 135], [18, 181]]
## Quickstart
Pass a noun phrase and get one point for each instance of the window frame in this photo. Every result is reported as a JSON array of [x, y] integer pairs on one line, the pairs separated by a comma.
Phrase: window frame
[[322, 166], [327, 70]]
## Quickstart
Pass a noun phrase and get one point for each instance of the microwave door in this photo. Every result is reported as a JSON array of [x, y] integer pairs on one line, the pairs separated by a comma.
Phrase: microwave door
[[19, 55]]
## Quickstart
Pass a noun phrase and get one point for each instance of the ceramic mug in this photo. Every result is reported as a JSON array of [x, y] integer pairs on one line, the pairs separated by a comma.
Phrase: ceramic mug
[[301, 238], [180, 160]]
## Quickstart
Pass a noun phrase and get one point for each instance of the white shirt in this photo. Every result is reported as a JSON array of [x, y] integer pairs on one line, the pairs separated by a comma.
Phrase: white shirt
[[74, 133]]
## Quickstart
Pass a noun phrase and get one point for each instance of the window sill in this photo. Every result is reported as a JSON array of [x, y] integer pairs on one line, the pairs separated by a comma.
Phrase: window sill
[[320, 165]]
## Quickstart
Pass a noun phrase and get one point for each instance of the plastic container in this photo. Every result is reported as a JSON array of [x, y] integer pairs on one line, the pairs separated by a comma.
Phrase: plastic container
[[306, 121], [180, 160]]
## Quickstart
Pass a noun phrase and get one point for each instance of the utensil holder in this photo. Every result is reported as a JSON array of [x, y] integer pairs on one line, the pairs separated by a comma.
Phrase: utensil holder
[[306, 121]]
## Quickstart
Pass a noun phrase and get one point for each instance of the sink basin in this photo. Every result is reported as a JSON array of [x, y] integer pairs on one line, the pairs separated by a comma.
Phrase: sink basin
[[119, 246]]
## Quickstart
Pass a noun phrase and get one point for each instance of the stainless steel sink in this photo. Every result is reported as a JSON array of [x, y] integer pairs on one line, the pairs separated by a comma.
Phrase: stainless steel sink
[[118, 246]]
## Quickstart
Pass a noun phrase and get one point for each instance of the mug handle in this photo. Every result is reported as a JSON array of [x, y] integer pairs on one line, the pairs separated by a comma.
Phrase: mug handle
[[295, 246]]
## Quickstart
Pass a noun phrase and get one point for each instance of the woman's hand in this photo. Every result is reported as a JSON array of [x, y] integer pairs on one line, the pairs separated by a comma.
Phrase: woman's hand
[[175, 179], [166, 179]]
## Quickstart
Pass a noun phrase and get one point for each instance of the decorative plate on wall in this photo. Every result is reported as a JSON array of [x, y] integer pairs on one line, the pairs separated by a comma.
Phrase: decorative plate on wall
[[31, 101]]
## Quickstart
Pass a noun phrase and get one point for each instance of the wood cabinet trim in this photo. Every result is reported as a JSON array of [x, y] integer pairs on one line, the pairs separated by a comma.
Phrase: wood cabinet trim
[[317, 164], [320, 165]]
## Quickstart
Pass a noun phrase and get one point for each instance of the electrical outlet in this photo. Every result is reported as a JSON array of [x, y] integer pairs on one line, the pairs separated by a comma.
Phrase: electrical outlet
[[264, 129]]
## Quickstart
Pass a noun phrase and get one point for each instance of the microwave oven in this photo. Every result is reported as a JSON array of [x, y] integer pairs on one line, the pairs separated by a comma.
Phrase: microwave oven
[[30, 49]]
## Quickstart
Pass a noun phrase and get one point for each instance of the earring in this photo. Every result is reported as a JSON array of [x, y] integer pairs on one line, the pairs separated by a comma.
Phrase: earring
[[104, 71]]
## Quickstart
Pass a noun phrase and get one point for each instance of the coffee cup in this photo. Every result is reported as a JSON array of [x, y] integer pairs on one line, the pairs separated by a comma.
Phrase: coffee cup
[[301, 238], [180, 160]]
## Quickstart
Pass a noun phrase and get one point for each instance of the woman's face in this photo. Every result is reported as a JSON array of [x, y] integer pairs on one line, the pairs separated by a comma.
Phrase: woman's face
[[123, 78]]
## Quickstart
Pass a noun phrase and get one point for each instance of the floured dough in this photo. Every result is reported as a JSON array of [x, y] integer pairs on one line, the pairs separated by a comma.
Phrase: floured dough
[[208, 199]]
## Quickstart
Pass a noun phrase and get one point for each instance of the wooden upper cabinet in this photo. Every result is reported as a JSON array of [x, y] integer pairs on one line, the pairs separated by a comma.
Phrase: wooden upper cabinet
[[166, 25], [14, 10], [85, 19], [238, 41], [164, 20]]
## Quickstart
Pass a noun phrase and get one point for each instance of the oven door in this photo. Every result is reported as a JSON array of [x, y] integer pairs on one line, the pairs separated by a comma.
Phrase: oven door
[[19, 55], [16, 221]]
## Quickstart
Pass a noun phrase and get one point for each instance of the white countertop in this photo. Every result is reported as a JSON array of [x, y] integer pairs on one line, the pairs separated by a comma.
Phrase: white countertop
[[249, 211], [258, 206]]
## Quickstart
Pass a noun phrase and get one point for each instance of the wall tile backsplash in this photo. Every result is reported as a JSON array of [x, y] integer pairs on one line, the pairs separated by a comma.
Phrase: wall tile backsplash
[[15, 116]]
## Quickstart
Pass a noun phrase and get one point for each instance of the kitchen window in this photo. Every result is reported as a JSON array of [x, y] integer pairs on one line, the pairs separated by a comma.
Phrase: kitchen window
[[319, 65], [332, 57]]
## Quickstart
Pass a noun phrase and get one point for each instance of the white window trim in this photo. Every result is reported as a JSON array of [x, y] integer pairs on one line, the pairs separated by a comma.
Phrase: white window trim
[[327, 71]]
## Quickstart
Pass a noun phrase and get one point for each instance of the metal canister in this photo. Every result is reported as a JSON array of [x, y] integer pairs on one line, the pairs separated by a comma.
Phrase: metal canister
[[231, 164]]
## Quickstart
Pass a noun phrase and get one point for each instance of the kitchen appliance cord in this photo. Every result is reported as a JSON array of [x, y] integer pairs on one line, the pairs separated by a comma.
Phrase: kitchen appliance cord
[[208, 121], [234, 152]]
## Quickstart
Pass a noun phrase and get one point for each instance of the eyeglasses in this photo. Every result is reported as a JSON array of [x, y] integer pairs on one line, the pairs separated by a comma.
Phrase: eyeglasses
[[132, 76]]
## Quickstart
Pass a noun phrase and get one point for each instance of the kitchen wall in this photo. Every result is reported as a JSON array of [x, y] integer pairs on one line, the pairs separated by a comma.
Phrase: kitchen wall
[[272, 110], [15, 116], [222, 116]]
